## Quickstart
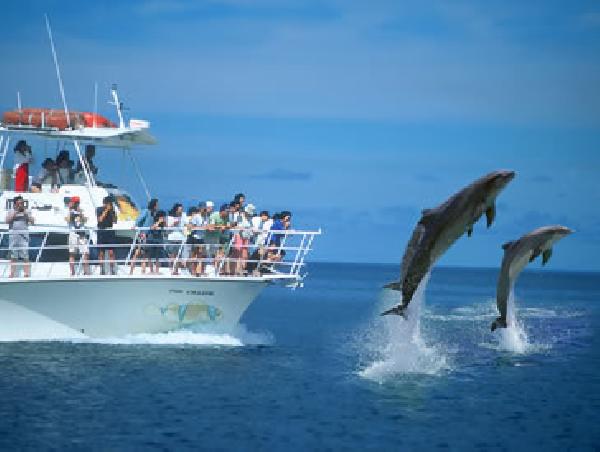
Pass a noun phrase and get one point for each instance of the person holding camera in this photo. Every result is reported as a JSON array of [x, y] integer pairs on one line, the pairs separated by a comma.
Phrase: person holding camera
[[18, 222], [107, 217]]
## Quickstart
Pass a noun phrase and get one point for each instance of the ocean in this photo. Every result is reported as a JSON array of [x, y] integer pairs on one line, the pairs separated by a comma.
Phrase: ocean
[[318, 369]]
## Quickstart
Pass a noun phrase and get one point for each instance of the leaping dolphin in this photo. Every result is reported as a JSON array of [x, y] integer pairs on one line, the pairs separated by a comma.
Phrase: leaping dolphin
[[440, 227], [517, 255]]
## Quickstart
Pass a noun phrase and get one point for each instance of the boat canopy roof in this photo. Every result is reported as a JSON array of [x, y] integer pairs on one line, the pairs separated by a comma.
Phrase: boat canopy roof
[[137, 133]]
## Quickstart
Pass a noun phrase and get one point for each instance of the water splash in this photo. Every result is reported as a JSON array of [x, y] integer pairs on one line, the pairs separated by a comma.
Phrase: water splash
[[396, 346], [238, 338], [513, 338]]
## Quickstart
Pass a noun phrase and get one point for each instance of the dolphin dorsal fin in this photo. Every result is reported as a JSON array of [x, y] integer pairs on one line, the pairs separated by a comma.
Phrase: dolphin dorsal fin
[[507, 245]]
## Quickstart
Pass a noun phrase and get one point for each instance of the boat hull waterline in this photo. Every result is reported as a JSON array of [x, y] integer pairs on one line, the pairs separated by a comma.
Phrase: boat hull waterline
[[120, 306]]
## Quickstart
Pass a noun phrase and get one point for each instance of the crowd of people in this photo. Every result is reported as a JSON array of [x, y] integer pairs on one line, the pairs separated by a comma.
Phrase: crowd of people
[[234, 239], [53, 172]]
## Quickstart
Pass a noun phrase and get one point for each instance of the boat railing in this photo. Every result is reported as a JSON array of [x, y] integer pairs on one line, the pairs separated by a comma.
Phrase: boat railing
[[60, 252]]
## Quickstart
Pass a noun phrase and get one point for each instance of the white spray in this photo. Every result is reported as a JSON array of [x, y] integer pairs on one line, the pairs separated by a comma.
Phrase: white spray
[[513, 338], [398, 347]]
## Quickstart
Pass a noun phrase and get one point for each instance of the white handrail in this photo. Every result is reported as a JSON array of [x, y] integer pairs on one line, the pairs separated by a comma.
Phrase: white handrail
[[284, 260]]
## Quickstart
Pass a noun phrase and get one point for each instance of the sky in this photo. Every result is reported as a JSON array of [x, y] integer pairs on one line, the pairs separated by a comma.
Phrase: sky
[[353, 115]]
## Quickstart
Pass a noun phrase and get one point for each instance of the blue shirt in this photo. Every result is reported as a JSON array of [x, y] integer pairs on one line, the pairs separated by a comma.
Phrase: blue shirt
[[275, 238], [145, 220]]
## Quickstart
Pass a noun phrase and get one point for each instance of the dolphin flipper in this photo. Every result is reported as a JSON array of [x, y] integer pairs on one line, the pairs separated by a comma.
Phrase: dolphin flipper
[[396, 285], [546, 256], [490, 214], [397, 310], [536, 252]]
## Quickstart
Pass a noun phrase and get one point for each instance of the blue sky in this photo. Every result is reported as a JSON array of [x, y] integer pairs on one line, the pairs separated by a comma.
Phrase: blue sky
[[354, 115]]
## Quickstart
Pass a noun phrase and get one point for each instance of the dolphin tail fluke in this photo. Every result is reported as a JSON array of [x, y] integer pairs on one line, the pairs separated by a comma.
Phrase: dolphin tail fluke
[[396, 310], [499, 323], [397, 285]]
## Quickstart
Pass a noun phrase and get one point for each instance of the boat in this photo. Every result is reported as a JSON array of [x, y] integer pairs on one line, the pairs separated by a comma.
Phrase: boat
[[79, 294]]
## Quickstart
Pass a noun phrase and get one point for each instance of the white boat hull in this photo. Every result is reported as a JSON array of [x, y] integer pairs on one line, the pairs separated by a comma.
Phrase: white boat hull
[[118, 306]]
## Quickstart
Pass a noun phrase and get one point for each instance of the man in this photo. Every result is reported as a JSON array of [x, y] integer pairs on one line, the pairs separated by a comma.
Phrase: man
[[107, 217], [78, 241], [88, 160], [18, 222], [144, 222], [261, 224], [281, 222]]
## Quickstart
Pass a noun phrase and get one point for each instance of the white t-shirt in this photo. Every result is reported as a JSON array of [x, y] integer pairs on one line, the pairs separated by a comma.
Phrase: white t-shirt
[[257, 223], [179, 223]]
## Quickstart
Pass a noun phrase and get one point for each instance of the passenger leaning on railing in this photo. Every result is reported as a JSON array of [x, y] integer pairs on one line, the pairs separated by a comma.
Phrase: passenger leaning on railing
[[176, 220], [78, 238], [18, 242], [106, 236], [215, 235], [261, 222], [144, 221]]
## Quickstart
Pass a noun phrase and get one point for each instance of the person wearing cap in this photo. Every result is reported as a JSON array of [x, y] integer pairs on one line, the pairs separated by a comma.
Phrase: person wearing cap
[[215, 235], [78, 241], [210, 207], [23, 158], [48, 175]]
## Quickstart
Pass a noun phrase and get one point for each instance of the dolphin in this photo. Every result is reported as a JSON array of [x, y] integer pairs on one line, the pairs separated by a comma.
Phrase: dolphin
[[517, 254], [441, 226]]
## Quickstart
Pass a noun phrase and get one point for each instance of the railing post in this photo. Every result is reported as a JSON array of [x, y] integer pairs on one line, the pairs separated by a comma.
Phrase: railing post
[[43, 244], [131, 249], [297, 256], [176, 260]]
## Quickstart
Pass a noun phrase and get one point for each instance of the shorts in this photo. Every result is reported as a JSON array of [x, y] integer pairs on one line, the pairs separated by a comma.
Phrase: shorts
[[18, 248], [106, 237], [19, 254], [78, 244], [154, 250]]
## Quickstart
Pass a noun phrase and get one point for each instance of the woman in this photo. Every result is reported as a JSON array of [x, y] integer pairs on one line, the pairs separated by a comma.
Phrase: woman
[[23, 158], [176, 222], [241, 241], [155, 240], [107, 217]]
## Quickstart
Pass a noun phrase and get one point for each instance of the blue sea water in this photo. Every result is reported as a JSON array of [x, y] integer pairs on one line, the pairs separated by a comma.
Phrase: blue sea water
[[318, 369]]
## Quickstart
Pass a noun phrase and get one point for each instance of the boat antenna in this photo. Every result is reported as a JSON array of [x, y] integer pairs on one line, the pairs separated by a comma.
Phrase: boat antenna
[[18, 100], [117, 104], [60, 83], [95, 103]]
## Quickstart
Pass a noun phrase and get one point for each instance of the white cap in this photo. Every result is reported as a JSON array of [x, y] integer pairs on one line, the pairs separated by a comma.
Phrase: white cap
[[250, 209], [210, 204]]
